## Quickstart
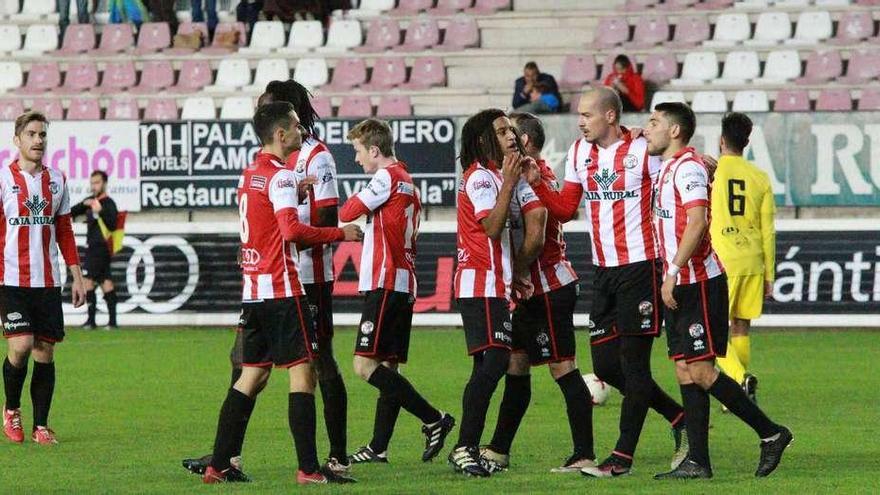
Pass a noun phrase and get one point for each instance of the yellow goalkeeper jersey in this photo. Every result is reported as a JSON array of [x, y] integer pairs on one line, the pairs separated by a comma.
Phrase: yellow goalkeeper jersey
[[742, 226]]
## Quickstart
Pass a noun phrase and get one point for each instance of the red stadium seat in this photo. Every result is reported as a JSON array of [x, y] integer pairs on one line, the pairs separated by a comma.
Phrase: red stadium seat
[[383, 33], [194, 75], [43, 76], [122, 109], [422, 34], [461, 32], [349, 73], [868, 3], [10, 109], [487, 7], [870, 99], [394, 106], [450, 7], [426, 72], [864, 66], [79, 77], [51, 108], [226, 27], [637, 5], [387, 73], [189, 28], [115, 38], [161, 109], [610, 32], [84, 109], [834, 100], [821, 68], [156, 76], [577, 70], [650, 31], [118, 76], [792, 100], [690, 30], [677, 4], [853, 28], [322, 106], [660, 68], [153, 37], [714, 4], [355, 107], [78, 38], [411, 7]]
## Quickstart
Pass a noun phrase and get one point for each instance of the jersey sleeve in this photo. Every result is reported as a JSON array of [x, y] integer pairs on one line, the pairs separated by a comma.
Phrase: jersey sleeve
[[64, 206], [482, 192], [326, 190], [282, 190], [526, 197], [570, 165], [377, 192], [768, 232], [692, 184]]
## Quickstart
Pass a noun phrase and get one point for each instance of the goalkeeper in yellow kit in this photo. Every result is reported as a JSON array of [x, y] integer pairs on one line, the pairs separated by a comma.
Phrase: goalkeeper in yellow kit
[[744, 236]]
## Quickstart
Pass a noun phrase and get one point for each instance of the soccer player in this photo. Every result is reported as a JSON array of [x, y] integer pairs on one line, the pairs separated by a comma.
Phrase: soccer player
[[483, 277], [744, 236], [36, 225], [695, 292], [312, 164], [543, 328], [276, 325], [97, 263], [388, 279], [615, 173]]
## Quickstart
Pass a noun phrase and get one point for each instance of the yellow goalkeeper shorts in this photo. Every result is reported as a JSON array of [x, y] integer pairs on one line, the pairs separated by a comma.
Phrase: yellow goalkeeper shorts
[[746, 296]]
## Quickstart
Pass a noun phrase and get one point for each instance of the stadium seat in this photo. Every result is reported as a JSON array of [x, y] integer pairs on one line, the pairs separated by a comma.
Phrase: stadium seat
[[269, 69], [43, 76], [79, 77], [730, 29], [853, 28], [161, 109], [115, 38], [117, 77], [709, 102], [421, 34], [650, 31], [237, 108], [488, 7], [9, 7], [156, 75], [387, 73], [771, 29], [461, 32], [792, 100], [232, 74], [304, 36], [349, 73], [10, 38], [371, 8], [870, 99], [639, 5], [450, 7], [224, 27], [188, 28], [266, 36], [322, 106], [863, 67], [690, 31], [194, 75], [11, 76], [50, 107], [78, 38], [714, 5], [833, 3], [122, 109], [812, 28], [344, 34], [394, 106], [751, 101], [39, 39], [406, 8], [311, 72], [10, 109], [677, 4], [834, 100], [699, 68], [34, 10], [608, 66], [791, 3], [780, 67], [84, 109], [198, 108], [382, 34], [577, 70], [868, 3], [153, 37], [752, 4], [426, 72], [660, 68], [611, 32], [667, 96], [355, 106], [821, 68], [739, 67]]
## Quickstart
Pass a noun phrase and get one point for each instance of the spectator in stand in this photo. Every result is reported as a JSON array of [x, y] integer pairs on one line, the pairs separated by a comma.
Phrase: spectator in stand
[[82, 14], [285, 10], [132, 11], [164, 11], [248, 12], [522, 91], [542, 100], [628, 83], [205, 8]]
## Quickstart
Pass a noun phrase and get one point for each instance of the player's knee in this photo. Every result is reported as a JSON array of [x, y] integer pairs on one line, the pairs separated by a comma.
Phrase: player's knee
[[252, 381], [518, 364], [682, 373], [364, 367], [303, 378], [43, 352], [703, 373], [558, 370], [495, 362], [739, 328]]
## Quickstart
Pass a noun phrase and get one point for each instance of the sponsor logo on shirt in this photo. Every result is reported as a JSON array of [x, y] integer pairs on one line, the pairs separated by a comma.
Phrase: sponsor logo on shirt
[[18, 324], [285, 183], [36, 204], [405, 188], [13, 316], [699, 345], [16, 189], [250, 256], [605, 178], [463, 255], [693, 185], [327, 177], [35, 220], [662, 212], [482, 184], [258, 182]]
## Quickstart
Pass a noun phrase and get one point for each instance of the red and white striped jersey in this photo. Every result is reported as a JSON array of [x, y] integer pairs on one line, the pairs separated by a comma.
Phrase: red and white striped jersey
[[389, 251], [33, 209], [684, 184], [268, 262], [314, 158], [617, 183], [552, 269]]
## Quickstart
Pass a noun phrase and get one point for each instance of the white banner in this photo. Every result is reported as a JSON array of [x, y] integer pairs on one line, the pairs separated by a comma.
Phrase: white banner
[[79, 148]]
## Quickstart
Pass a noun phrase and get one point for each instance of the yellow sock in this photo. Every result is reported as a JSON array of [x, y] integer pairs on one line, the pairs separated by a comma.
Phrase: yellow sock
[[743, 349], [731, 365]]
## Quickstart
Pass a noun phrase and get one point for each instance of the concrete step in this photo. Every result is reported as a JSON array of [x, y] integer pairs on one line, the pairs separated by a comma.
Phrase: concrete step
[[560, 37]]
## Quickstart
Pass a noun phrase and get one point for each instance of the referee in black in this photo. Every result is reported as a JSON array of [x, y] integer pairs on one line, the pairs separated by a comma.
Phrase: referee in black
[[96, 266]]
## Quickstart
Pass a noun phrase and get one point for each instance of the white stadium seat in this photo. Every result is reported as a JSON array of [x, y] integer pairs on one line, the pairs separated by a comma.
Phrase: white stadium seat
[[265, 37], [198, 108], [709, 102], [812, 28], [237, 107], [10, 76], [771, 29], [232, 74], [10, 38], [269, 69], [304, 36], [311, 72], [343, 34], [38, 39], [35, 10], [699, 68], [751, 101], [739, 67], [781, 66], [666, 97], [730, 30]]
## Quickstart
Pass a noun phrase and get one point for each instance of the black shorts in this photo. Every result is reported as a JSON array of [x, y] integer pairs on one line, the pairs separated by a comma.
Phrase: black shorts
[[543, 326], [277, 331], [697, 330], [626, 301], [32, 311], [320, 298], [486, 323], [96, 265], [386, 323]]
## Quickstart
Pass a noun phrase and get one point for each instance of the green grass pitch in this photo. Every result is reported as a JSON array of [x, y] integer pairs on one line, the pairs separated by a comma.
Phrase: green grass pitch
[[130, 404]]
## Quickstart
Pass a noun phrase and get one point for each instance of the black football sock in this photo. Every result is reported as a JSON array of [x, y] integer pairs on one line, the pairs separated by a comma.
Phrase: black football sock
[[515, 402], [236, 374], [387, 410], [579, 407], [234, 416], [110, 299], [729, 393], [335, 414], [661, 402], [91, 306], [301, 416], [696, 408], [13, 381], [636, 362], [42, 390], [478, 393], [394, 384]]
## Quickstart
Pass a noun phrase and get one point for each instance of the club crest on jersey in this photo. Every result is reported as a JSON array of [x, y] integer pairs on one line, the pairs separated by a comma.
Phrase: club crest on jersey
[[542, 339], [605, 178], [630, 161], [36, 204], [645, 308], [54, 187], [258, 182], [507, 325], [327, 177], [367, 327], [695, 330]]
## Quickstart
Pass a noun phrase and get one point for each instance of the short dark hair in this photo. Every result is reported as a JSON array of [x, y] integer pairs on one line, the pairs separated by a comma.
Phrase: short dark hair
[[374, 132], [735, 129], [681, 115], [100, 173], [478, 141], [531, 126], [26, 118], [296, 94], [541, 87], [622, 60], [531, 66], [271, 116]]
